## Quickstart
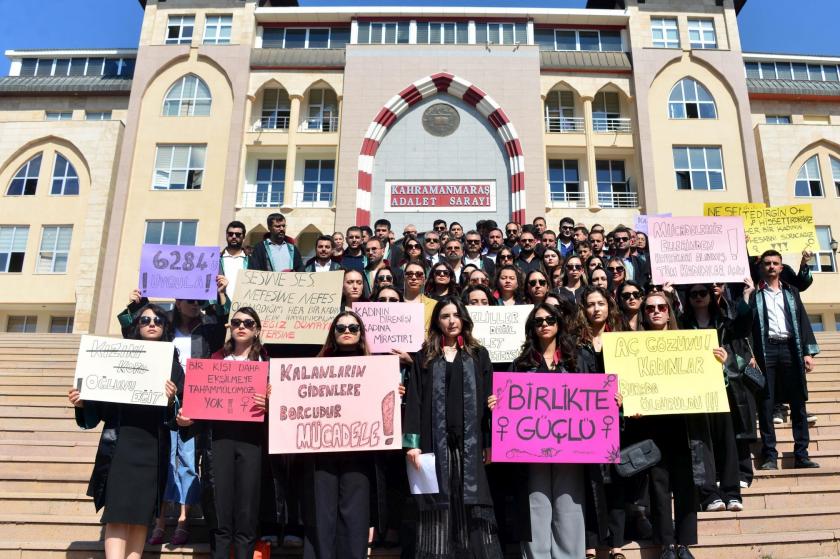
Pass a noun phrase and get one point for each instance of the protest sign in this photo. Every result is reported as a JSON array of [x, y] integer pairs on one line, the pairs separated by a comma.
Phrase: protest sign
[[334, 404], [224, 389], [294, 307], [686, 250], [561, 418], [123, 371], [667, 372], [786, 229], [730, 209], [179, 272], [641, 223], [500, 329], [392, 326]]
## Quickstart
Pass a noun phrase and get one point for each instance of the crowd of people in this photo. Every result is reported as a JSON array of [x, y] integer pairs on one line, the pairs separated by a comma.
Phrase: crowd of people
[[581, 282]]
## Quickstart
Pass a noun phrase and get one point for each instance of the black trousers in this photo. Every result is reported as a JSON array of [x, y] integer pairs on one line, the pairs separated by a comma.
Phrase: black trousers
[[723, 462], [337, 506], [745, 462], [237, 459], [779, 368]]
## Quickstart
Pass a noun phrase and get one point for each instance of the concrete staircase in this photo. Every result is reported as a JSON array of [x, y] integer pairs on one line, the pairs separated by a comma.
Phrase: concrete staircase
[[45, 464]]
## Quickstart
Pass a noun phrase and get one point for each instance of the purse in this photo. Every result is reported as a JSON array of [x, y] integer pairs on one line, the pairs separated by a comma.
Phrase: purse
[[638, 457], [754, 379]]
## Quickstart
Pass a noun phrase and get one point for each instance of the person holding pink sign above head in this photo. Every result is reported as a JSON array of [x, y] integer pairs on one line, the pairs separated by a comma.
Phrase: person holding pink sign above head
[[231, 455], [130, 471], [447, 414]]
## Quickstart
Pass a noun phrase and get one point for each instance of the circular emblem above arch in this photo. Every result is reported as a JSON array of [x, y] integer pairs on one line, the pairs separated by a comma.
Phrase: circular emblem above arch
[[427, 87]]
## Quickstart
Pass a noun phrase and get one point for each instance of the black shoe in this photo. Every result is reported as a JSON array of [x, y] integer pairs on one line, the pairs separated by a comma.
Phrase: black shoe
[[769, 464], [684, 553], [805, 463], [644, 529], [668, 552]]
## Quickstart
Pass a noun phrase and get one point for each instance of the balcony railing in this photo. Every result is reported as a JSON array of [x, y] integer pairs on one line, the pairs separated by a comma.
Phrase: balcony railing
[[607, 125], [567, 199], [314, 198], [328, 124], [563, 124], [262, 199], [272, 123], [618, 199]]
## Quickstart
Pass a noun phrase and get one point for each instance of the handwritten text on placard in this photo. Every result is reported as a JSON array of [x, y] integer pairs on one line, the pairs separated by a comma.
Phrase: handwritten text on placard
[[786, 229], [500, 329], [224, 389], [392, 326], [179, 272]]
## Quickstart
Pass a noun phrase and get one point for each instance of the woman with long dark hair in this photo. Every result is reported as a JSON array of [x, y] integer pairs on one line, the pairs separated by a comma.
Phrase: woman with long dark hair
[[509, 285], [447, 414], [354, 289], [441, 282], [599, 278], [574, 279], [129, 475], [593, 263], [551, 260], [629, 299], [536, 286], [504, 257], [478, 295]]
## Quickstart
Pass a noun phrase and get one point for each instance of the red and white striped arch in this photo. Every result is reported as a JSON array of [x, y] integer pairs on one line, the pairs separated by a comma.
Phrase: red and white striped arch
[[427, 87]]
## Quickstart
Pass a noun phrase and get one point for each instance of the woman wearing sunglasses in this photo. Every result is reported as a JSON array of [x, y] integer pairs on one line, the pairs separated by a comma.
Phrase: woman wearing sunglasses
[[680, 439], [479, 277], [441, 282], [447, 414], [504, 257], [130, 472], [574, 279], [617, 273], [509, 285], [630, 304], [536, 286], [383, 277]]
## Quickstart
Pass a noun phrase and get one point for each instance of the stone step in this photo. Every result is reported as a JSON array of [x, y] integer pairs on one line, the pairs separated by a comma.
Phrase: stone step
[[70, 465], [78, 450], [37, 482], [825, 458], [829, 442], [18, 390], [36, 423], [829, 428], [759, 496], [35, 381], [797, 478], [57, 504], [65, 411], [70, 433], [52, 400], [67, 528], [763, 521]]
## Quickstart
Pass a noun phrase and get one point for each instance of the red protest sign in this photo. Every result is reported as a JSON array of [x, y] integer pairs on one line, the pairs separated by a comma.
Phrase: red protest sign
[[217, 389]]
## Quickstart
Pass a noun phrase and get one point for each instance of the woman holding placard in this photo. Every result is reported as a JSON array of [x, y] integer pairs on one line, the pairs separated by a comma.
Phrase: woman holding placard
[[129, 475], [447, 415]]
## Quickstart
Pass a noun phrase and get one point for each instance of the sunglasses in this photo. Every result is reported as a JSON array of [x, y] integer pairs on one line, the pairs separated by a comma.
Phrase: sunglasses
[[380, 279], [627, 295], [342, 328], [621, 239], [413, 247], [654, 287], [650, 309], [191, 301], [430, 241], [247, 323], [146, 320], [547, 320], [615, 269], [453, 248], [414, 274], [567, 227], [440, 228], [574, 267], [235, 234], [505, 257], [699, 294], [387, 300], [442, 273], [536, 282], [473, 241], [511, 231], [529, 241]]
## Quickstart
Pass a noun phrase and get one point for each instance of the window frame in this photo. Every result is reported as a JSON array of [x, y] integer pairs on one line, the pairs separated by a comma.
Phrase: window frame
[[577, 33], [65, 177], [26, 177], [270, 185], [190, 101], [218, 26], [706, 169], [54, 251], [697, 102], [306, 40], [823, 251], [775, 120], [9, 254], [499, 27], [275, 114], [662, 24], [834, 163], [700, 24], [65, 328], [459, 28], [319, 190], [163, 224], [58, 116], [809, 179], [26, 321], [563, 185], [181, 39], [190, 171], [383, 27], [100, 114]]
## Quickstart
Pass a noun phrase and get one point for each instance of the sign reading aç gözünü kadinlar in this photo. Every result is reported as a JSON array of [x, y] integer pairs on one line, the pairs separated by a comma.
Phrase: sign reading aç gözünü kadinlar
[[450, 196]]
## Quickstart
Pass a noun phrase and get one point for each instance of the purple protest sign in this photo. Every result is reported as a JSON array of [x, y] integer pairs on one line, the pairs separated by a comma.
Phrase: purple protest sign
[[555, 418], [641, 222], [179, 272]]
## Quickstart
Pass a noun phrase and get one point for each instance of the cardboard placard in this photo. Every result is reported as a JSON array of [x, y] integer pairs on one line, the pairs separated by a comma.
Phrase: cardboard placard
[[224, 389], [787, 229], [334, 404], [640, 224], [730, 209], [392, 326], [667, 372], [294, 307], [179, 272], [500, 329], [123, 371], [555, 418]]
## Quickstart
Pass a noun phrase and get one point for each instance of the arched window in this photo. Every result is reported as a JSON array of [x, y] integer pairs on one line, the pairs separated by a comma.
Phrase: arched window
[[835, 170], [189, 96], [689, 99], [25, 181], [809, 181], [65, 180]]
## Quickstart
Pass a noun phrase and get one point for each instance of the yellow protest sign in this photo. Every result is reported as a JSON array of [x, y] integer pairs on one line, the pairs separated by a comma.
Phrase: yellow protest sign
[[666, 372], [787, 229], [729, 209]]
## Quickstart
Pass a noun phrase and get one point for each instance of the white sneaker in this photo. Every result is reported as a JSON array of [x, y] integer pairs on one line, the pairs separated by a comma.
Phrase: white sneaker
[[778, 419], [744, 484], [716, 506], [811, 418], [735, 506]]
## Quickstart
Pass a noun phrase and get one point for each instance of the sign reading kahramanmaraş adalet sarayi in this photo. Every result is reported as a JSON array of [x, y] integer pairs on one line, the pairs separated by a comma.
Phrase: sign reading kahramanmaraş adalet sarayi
[[451, 196]]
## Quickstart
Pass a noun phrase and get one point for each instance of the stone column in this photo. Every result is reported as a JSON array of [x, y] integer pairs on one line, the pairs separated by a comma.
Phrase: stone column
[[291, 152], [590, 152]]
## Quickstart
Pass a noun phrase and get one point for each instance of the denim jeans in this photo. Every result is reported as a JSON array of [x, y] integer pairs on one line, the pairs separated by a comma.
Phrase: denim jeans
[[182, 485]]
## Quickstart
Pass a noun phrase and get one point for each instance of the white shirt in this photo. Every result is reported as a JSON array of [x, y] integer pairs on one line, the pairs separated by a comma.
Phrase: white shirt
[[324, 268], [474, 261], [183, 342], [232, 265], [776, 317]]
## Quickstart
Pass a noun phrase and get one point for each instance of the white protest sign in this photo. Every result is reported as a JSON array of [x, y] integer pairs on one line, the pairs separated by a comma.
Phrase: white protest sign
[[500, 329]]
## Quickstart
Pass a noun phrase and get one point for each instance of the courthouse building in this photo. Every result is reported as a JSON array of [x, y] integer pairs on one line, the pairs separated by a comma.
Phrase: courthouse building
[[233, 109]]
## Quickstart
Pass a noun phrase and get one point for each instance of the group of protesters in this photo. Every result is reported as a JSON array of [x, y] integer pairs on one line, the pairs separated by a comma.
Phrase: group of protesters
[[582, 282]]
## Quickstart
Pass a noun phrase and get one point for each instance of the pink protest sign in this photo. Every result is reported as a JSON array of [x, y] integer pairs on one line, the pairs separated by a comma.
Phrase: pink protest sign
[[217, 389], [392, 326], [179, 272], [686, 250], [555, 418], [334, 404]]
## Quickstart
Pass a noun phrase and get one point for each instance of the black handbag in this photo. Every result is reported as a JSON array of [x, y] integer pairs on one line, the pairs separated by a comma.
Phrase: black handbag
[[753, 377], [638, 457]]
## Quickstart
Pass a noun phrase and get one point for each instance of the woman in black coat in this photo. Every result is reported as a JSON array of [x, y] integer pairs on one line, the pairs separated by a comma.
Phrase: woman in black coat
[[447, 414], [129, 478]]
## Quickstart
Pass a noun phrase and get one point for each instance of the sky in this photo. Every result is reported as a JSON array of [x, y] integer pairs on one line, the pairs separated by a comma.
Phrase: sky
[[765, 25]]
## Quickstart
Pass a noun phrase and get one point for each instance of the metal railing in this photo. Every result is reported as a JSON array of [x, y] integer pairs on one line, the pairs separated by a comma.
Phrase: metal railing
[[621, 125], [618, 199], [329, 124], [563, 124], [314, 198], [262, 199], [278, 123], [563, 199]]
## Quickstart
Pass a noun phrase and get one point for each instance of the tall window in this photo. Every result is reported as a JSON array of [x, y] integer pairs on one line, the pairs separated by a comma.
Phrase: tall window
[[318, 181], [25, 181], [701, 34], [560, 112], [689, 99], [189, 96], [65, 180], [271, 176], [809, 181], [665, 32], [501, 33], [61, 325], [180, 30], [161, 232], [276, 109], [179, 167], [376, 33], [587, 40], [564, 181], [606, 112], [217, 30], [698, 168], [22, 324], [323, 114], [447, 33], [824, 259], [55, 249], [613, 188], [12, 247], [835, 171]]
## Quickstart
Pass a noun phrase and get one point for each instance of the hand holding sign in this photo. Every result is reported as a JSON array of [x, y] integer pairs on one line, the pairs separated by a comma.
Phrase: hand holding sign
[[179, 272]]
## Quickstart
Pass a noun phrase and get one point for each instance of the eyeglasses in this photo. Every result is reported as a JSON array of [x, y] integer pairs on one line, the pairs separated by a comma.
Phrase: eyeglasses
[[453, 248], [572, 267], [547, 320], [627, 295], [536, 282], [235, 234], [699, 294], [415, 274], [413, 247], [567, 227], [505, 257], [524, 240], [430, 241], [621, 239], [440, 228], [146, 320], [380, 279], [247, 323], [650, 309], [387, 300], [473, 241], [442, 273], [511, 231], [615, 269], [342, 328]]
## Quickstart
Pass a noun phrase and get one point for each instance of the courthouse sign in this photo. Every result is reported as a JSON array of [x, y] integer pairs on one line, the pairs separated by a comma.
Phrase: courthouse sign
[[452, 196]]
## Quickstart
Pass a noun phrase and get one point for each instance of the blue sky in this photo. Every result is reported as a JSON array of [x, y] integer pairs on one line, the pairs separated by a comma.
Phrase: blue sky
[[766, 25]]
